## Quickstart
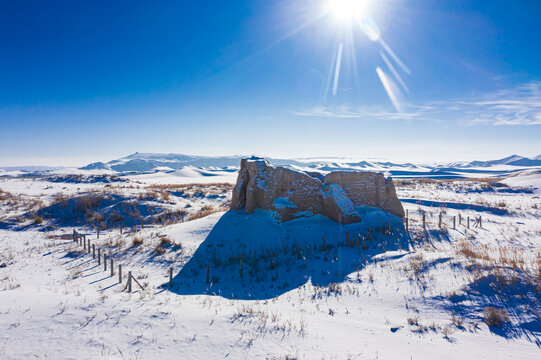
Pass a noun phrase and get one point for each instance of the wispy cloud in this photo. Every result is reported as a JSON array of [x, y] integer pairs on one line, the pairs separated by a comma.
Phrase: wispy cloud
[[348, 112], [517, 106], [520, 105]]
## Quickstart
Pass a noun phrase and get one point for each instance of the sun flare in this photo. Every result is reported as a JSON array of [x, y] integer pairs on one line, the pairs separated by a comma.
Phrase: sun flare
[[348, 9]]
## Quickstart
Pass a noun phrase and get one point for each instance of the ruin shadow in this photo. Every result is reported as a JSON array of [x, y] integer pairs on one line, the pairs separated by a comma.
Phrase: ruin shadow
[[279, 257]]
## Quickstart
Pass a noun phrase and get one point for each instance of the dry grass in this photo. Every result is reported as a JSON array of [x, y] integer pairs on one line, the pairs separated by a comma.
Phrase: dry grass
[[203, 212], [473, 252], [494, 317], [4, 195], [137, 241], [408, 182], [164, 240], [165, 187], [160, 250]]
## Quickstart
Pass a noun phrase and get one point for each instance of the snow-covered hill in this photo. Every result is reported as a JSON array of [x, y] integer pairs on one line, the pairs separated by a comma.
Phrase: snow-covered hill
[[178, 164]]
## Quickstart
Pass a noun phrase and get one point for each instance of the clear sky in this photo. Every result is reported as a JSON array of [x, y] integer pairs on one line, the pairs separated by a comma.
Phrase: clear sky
[[416, 80]]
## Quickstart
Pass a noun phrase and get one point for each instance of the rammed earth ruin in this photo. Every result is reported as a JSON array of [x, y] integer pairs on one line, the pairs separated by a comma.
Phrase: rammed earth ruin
[[292, 194]]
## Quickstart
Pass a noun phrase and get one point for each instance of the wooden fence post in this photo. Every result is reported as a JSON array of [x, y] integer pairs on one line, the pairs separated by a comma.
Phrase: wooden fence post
[[119, 273], [129, 281], [439, 222], [98, 227], [104, 262], [480, 222], [454, 222], [459, 219], [468, 222], [369, 237], [241, 272], [99, 256], [407, 223], [83, 238], [170, 276], [120, 229], [112, 267], [347, 238], [74, 236], [388, 228], [93, 251], [207, 281]]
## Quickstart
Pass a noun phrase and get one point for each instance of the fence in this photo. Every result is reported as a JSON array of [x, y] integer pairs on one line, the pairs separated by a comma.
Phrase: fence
[[96, 252]]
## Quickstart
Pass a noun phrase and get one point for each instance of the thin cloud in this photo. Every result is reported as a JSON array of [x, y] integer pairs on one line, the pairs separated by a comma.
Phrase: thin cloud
[[519, 106], [347, 112]]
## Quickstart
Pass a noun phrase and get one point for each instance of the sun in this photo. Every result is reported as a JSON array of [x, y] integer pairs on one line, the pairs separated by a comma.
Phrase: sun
[[348, 9]]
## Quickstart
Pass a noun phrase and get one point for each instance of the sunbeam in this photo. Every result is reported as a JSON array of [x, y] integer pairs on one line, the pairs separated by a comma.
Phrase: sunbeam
[[370, 29], [393, 71], [337, 70], [391, 88], [394, 56], [329, 77]]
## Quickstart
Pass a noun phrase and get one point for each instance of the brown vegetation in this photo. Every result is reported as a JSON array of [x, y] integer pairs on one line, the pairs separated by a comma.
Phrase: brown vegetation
[[495, 317]]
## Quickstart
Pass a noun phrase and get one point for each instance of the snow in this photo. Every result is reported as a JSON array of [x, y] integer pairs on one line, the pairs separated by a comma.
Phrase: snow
[[385, 296], [282, 203], [530, 178]]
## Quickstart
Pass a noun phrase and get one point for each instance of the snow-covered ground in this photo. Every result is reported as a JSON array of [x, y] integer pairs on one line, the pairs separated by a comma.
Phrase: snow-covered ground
[[305, 289]]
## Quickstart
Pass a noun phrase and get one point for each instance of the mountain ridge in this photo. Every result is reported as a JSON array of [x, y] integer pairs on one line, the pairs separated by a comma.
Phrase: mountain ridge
[[145, 162]]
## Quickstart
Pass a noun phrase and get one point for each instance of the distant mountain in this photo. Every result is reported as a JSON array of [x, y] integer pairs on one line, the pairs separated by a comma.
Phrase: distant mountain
[[513, 160], [145, 162], [153, 162]]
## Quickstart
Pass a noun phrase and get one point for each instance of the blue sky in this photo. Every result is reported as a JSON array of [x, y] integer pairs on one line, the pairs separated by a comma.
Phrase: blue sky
[[418, 80]]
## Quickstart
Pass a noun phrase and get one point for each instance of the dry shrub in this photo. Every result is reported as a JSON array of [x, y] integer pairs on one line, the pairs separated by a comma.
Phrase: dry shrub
[[160, 250], [94, 217], [417, 263], [164, 240], [88, 202], [165, 196], [137, 241], [501, 204], [148, 195], [38, 220], [4, 195], [495, 317]]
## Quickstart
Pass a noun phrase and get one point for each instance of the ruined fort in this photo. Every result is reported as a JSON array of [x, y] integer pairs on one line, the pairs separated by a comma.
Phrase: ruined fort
[[292, 194]]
